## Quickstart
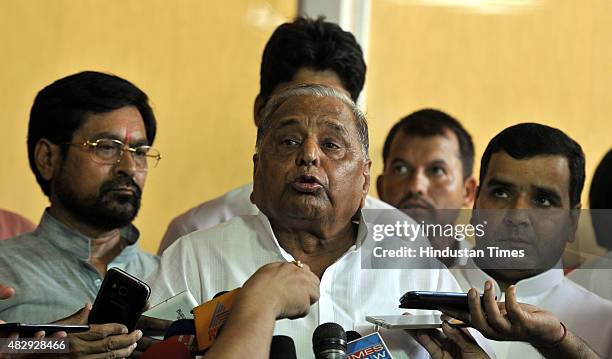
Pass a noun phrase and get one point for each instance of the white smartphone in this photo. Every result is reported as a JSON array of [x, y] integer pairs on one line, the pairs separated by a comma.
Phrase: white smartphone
[[428, 321]]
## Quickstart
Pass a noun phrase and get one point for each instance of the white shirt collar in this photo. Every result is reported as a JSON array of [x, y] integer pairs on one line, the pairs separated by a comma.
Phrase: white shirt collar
[[361, 236], [529, 287]]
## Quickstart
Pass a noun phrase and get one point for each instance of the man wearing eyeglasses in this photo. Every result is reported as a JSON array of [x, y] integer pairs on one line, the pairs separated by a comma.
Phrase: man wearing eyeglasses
[[89, 140]]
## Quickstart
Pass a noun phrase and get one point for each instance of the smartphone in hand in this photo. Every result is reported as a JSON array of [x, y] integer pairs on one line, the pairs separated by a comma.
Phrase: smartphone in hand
[[121, 299], [435, 300]]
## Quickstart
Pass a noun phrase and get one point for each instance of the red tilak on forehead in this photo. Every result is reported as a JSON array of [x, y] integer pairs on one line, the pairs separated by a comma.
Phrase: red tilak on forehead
[[128, 135]]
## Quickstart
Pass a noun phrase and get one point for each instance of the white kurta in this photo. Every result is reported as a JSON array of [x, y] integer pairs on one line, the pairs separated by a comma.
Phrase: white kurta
[[584, 313], [222, 258]]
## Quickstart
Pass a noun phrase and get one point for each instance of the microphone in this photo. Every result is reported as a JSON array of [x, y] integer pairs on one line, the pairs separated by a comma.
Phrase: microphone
[[370, 346], [352, 335], [282, 347], [181, 327], [177, 347], [329, 341], [220, 293], [209, 317]]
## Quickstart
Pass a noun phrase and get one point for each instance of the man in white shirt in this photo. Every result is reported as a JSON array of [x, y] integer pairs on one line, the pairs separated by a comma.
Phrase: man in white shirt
[[531, 178], [302, 51], [428, 160], [596, 274], [311, 177]]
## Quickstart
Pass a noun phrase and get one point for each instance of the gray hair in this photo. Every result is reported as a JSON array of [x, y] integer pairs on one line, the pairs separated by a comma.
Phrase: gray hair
[[315, 90]]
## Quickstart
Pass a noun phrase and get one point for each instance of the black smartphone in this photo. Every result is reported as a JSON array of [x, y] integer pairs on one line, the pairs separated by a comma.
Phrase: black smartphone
[[121, 299], [435, 300], [28, 330]]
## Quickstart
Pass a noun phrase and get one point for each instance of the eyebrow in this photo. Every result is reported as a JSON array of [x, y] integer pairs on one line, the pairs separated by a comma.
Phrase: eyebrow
[[497, 182], [113, 136], [336, 127], [547, 191]]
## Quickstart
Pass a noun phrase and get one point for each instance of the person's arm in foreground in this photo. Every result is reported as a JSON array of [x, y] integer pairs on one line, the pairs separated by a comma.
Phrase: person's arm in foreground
[[275, 291], [513, 321]]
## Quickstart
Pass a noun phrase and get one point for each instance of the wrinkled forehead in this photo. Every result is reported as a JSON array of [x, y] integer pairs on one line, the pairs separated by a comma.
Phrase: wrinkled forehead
[[309, 111], [540, 171]]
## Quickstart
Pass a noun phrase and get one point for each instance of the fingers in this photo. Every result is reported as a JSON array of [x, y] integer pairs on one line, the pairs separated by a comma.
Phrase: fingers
[[153, 326], [426, 339], [515, 313], [80, 317], [100, 331], [6, 292], [112, 346], [477, 315], [465, 343], [119, 353], [494, 317], [145, 342], [457, 314]]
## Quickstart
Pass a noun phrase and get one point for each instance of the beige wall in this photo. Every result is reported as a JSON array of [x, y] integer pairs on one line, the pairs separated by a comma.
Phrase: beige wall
[[550, 64], [197, 59]]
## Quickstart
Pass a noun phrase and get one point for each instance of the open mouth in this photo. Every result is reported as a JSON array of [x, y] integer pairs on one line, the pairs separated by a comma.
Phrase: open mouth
[[307, 184]]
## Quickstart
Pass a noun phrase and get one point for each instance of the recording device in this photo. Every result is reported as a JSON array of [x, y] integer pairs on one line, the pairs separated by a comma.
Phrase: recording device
[[427, 321], [176, 347], [121, 299], [352, 335], [370, 346], [180, 327], [329, 341], [28, 330], [209, 317], [282, 347], [435, 300]]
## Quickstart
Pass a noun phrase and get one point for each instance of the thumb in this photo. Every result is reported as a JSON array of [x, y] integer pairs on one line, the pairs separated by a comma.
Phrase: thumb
[[79, 317]]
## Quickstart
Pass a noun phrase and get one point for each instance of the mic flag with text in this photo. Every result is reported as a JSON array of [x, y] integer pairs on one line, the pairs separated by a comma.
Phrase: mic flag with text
[[210, 317]]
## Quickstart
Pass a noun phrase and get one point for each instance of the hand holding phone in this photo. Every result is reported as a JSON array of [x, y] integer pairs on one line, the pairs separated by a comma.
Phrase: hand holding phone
[[121, 299], [435, 300]]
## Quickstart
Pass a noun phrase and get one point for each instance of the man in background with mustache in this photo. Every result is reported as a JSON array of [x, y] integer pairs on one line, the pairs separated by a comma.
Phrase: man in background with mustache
[[89, 140], [428, 158], [531, 179]]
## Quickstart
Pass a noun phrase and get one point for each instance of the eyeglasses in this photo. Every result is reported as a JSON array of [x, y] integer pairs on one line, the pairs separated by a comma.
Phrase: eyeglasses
[[109, 152]]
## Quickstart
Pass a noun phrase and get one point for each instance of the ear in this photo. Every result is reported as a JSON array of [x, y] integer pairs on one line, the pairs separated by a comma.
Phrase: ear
[[258, 108], [255, 161], [379, 186], [469, 192], [477, 193], [574, 219], [367, 166], [47, 157]]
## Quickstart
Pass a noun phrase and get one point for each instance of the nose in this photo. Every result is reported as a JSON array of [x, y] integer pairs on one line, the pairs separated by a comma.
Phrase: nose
[[126, 164], [518, 212], [309, 154], [417, 183]]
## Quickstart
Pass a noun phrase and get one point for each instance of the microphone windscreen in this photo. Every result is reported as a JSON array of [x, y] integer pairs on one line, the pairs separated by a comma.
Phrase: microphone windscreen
[[352, 335], [181, 327], [167, 349], [220, 294], [282, 347], [329, 341]]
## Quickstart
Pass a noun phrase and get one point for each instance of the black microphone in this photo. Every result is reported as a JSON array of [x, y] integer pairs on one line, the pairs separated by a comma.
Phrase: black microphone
[[282, 347], [352, 335], [220, 293], [329, 341], [180, 327]]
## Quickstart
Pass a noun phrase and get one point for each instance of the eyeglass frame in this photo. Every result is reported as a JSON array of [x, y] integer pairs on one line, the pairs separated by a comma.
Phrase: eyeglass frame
[[91, 145]]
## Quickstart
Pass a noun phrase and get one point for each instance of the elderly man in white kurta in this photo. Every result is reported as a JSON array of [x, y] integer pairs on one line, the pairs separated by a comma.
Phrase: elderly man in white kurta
[[311, 177]]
